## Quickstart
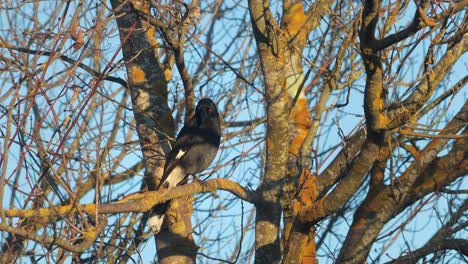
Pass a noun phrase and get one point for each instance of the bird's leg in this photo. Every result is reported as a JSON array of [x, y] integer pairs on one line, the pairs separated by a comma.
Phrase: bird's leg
[[196, 179], [203, 184]]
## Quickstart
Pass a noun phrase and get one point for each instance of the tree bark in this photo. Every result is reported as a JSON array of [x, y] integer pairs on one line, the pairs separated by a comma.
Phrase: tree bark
[[148, 88]]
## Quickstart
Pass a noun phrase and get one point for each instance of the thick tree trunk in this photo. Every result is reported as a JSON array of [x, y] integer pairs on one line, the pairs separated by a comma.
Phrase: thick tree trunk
[[148, 88]]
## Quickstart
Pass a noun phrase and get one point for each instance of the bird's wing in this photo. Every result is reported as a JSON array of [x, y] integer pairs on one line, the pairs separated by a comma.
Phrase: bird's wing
[[182, 144]]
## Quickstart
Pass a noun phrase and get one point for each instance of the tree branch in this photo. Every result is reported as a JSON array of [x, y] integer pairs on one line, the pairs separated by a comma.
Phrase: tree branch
[[416, 24], [141, 202], [400, 112], [436, 246], [378, 209], [69, 60], [440, 241], [341, 162], [345, 188], [89, 235]]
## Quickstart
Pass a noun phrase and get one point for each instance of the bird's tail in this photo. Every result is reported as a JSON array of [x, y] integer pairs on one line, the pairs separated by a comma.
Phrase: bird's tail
[[174, 176], [157, 218]]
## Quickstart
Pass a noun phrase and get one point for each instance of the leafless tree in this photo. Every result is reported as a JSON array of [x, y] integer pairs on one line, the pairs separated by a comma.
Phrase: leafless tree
[[344, 134]]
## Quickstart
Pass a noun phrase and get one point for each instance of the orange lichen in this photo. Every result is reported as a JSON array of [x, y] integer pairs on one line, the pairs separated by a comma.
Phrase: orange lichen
[[151, 37], [269, 143], [306, 192], [301, 121], [137, 75], [310, 251], [294, 18], [167, 74], [360, 223], [308, 187]]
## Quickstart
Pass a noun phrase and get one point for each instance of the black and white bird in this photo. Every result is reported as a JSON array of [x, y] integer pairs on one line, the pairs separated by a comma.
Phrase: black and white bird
[[194, 150]]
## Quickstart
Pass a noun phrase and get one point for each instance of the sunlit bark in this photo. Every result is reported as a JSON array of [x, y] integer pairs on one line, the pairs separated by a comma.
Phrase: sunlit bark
[[344, 124]]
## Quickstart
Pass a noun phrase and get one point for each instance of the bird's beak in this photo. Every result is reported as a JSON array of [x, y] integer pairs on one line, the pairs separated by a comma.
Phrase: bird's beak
[[204, 114]]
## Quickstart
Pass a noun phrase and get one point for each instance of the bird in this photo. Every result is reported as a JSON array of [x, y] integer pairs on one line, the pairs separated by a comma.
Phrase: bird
[[194, 149]]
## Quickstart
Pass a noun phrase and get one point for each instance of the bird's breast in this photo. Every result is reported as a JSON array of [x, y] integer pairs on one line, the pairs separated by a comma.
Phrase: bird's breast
[[200, 158]]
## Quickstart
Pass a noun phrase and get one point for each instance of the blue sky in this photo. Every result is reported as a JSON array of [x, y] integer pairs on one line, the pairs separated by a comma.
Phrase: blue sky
[[224, 224]]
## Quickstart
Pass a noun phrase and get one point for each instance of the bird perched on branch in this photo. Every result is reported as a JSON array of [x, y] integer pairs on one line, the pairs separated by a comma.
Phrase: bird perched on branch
[[194, 150]]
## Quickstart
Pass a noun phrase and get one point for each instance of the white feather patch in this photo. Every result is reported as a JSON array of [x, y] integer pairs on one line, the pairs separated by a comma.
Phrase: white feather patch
[[155, 223], [180, 154], [176, 176]]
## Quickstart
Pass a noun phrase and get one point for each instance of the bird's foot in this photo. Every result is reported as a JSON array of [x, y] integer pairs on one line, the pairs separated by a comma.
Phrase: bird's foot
[[204, 185], [196, 179]]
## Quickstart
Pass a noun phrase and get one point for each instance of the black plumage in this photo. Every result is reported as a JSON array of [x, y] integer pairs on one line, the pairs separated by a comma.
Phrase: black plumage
[[194, 150]]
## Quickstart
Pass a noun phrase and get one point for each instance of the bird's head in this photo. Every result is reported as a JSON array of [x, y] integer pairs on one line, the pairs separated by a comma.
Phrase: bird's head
[[206, 112]]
